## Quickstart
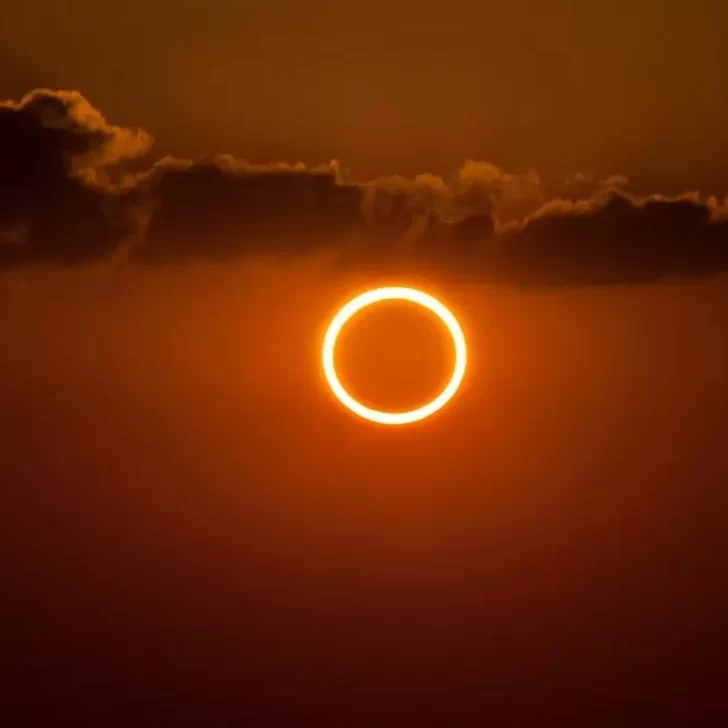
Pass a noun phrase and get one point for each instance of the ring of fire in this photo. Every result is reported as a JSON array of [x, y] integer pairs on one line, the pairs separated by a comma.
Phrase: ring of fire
[[394, 293]]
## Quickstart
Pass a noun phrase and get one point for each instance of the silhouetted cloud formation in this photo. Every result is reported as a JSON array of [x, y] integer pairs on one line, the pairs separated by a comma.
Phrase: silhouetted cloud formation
[[220, 208], [616, 238], [74, 188], [55, 204]]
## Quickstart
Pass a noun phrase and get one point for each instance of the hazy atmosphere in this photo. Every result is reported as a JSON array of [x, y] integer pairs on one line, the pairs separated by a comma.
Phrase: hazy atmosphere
[[195, 531]]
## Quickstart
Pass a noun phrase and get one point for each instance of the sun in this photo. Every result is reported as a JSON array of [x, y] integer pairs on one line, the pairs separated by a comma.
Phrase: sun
[[394, 293]]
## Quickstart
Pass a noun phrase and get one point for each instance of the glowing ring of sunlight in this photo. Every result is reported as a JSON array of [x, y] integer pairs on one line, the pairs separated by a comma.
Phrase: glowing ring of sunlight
[[394, 294]]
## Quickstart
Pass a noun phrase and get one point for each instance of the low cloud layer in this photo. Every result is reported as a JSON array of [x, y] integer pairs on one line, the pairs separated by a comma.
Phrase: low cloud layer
[[75, 188]]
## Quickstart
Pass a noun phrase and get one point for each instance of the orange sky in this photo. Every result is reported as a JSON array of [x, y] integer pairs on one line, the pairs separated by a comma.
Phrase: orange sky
[[626, 87], [191, 521], [190, 514]]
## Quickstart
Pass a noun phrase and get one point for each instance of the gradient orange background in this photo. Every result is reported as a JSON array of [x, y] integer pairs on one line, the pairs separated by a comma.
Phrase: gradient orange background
[[187, 492]]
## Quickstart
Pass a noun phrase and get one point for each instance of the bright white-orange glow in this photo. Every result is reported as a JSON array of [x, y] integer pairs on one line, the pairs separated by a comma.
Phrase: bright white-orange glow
[[394, 294]]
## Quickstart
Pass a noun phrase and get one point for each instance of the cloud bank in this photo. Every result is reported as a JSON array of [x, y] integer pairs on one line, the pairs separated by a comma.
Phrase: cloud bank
[[75, 189]]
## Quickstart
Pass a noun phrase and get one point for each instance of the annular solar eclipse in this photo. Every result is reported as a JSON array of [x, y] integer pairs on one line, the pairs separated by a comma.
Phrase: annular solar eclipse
[[394, 293]]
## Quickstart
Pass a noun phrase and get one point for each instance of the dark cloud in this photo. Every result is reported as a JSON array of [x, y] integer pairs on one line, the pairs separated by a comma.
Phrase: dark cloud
[[217, 209], [76, 188], [54, 148], [615, 238]]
